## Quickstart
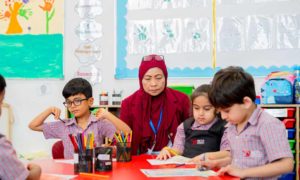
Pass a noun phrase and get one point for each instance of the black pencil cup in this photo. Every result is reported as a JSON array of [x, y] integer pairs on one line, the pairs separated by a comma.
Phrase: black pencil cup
[[103, 156], [84, 161], [123, 152]]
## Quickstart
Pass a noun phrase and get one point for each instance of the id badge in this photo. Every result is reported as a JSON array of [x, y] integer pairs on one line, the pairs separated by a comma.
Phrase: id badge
[[150, 151]]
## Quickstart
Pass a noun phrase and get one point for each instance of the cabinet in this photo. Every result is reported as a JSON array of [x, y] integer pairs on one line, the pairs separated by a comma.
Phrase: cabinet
[[115, 109], [289, 114]]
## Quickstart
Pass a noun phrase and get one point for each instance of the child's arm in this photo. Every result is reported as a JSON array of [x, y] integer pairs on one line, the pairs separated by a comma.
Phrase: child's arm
[[217, 155], [118, 123], [213, 159], [275, 168], [34, 171], [178, 146], [37, 122], [167, 152]]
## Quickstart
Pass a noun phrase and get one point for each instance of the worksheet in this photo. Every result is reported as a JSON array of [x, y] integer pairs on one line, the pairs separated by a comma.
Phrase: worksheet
[[172, 160], [177, 172]]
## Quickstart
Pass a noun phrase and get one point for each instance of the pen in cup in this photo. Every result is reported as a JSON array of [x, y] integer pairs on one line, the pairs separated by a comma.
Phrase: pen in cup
[[58, 118], [107, 151]]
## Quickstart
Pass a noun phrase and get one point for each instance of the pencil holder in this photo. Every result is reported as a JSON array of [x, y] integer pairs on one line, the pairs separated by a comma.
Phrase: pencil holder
[[123, 152], [84, 163], [103, 156]]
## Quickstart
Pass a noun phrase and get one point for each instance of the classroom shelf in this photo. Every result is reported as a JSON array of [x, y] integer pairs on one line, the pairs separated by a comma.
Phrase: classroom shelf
[[288, 113]]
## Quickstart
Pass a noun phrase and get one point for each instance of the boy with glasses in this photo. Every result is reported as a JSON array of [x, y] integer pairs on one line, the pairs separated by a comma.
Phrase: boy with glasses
[[11, 167], [78, 95]]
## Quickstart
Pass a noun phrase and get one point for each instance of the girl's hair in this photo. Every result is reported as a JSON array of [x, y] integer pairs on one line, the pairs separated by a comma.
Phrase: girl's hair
[[201, 91]]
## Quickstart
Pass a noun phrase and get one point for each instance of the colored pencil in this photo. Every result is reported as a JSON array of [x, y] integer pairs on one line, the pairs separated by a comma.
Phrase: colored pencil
[[93, 175]]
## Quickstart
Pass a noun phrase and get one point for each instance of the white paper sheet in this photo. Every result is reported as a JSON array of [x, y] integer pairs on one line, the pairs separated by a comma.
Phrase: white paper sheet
[[172, 160], [177, 172], [66, 161]]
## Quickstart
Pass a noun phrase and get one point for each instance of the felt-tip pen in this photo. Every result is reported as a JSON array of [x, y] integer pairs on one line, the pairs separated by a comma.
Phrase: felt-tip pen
[[58, 118]]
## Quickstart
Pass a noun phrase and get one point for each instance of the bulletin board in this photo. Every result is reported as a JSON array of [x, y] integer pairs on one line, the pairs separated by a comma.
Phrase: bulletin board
[[262, 36], [31, 38]]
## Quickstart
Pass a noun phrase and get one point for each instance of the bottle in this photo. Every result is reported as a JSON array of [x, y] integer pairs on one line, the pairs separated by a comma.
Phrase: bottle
[[103, 98], [297, 85], [116, 98]]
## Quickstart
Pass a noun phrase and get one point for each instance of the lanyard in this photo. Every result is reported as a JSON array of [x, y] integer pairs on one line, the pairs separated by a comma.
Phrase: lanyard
[[155, 130]]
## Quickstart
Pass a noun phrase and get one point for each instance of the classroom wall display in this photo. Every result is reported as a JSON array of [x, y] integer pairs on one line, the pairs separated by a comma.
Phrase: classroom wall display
[[91, 72], [89, 31], [89, 9], [88, 53], [262, 36], [31, 38]]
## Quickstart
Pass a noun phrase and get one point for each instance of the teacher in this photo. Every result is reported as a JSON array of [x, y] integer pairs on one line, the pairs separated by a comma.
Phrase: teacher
[[154, 111]]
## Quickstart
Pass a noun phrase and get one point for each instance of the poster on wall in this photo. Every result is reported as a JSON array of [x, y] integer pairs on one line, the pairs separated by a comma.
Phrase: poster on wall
[[260, 42], [31, 38]]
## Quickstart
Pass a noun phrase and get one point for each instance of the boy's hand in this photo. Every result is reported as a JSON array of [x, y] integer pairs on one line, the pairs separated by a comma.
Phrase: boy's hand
[[55, 111], [231, 170], [164, 154], [203, 161], [101, 113], [208, 164], [198, 159]]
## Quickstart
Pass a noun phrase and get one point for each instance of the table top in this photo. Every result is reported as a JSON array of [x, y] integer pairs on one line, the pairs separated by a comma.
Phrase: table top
[[121, 170]]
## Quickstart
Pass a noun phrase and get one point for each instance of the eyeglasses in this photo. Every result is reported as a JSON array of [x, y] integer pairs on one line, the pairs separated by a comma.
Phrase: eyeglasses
[[76, 102], [153, 57]]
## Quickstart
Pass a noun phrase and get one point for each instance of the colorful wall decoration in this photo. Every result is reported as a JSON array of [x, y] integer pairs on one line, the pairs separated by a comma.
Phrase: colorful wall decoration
[[31, 38], [261, 36]]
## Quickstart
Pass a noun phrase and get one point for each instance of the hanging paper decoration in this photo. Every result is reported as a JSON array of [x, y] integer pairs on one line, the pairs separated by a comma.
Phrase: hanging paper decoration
[[89, 8], [90, 73], [89, 30], [88, 53]]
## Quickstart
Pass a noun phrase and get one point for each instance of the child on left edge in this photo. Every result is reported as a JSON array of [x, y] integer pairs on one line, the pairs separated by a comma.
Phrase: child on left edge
[[78, 99], [10, 166], [201, 134]]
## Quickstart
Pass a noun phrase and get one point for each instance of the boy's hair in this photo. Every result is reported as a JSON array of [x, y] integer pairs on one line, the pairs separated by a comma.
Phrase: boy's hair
[[202, 90], [230, 85], [2, 83], [76, 86]]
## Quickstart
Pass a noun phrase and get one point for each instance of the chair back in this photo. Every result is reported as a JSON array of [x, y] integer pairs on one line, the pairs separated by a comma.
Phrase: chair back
[[58, 150]]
